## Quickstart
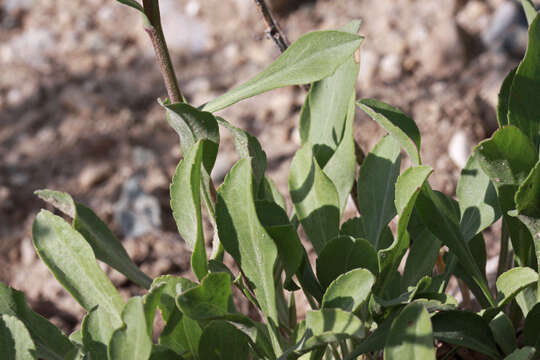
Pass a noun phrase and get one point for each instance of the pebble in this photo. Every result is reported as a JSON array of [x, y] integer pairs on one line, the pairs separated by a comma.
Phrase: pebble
[[369, 61], [390, 67], [460, 148], [93, 174]]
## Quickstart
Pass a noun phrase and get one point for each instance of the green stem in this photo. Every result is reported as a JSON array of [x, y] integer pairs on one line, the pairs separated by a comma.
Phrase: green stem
[[503, 253]]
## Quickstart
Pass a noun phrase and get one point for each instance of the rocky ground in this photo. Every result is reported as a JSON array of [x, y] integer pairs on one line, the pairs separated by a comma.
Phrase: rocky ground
[[78, 110]]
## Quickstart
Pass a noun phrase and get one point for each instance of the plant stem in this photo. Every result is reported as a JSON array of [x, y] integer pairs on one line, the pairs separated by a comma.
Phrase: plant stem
[[503, 253], [154, 30], [273, 30]]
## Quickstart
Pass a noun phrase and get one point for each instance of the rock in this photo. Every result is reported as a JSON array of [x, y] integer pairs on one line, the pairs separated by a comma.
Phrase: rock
[[136, 212], [93, 174], [390, 68], [32, 47], [369, 60], [459, 148], [143, 157]]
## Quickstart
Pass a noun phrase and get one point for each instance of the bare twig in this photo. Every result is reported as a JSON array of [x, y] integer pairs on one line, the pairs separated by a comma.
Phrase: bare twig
[[273, 29], [155, 32]]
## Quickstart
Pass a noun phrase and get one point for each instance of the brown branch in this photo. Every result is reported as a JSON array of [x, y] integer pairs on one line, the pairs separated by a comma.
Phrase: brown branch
[[273, 29]]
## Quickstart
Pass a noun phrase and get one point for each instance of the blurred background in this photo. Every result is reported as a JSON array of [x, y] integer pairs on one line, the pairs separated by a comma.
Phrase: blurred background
[[78, 110]]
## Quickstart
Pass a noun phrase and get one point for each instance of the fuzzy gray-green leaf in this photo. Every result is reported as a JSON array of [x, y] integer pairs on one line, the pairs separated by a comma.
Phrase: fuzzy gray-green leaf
[[15, 340], [349, 290]]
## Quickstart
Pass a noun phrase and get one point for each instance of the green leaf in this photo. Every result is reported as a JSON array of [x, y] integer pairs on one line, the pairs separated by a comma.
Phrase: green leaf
[[531, 328], [528, 194], [222, 341], [342, 255], [312, 57], [523, 110], [97, 329], [132, 3], [15, 340], [330, 325], [151, 301], [271, 193], [243, 236], [186, 206], [376, 187], [323, 116], [173, 285], [315, 198], [411, 336], [131, 341], [248, 146], [530, 10], [400, 126], [527, 298], [51, 343], [407, 188], [106, 246], [503, 332], [193, 125], [422, 256], [478, 202], [211, 299], [373, 342], [71, 260], [465, 329], [525, 353], [160, 352], [504, 95], [440, 219], [510, 283], [277, 224], [341, 168], [349, 290]]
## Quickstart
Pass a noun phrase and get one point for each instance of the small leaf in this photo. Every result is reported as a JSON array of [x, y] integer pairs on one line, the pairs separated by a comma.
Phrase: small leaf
[[15, 340], [132, 3], [530, 10], [106, 246], [97, 329], [315, 198], [193, 125], [376, 187], [173, 285], [151, 301], [50, 342], [503, 332], [71, 260], [478, 202], [336, 324], [342, 255], [528, 194], [464, 329], [422, 257], [312, 57], [131, 341], [525, 353], [349, 290], [215, 345], [186, 205], [400, 126], [523, 111], [160, 352], [504, 94], [513, 281], [411, 336]]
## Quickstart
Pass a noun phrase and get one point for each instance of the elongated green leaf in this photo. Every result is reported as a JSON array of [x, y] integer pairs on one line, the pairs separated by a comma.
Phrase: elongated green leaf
[[342, 255], [442, 222], [106, 246], [322, 120], [50, 342], [131, 341], [422, 256], [525, 353], [222, 341], [151, 301], [315, 198], [528, 195], [407, 188], [15, 340], [173, 286], [248, 146], [243, 236], [523, 111], [411, 336], [272, 194], [530, 10], [376, 187], [513, 281], [531, 328], [97, 329], [71, 260], [503, 332], [477, 198], [193, 125], [504, 95], [527, 298], [400, 126], [312, 57], [186, 206], [132, 3], [277, 224], [349, 290], [465, 329], [341, 168]]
